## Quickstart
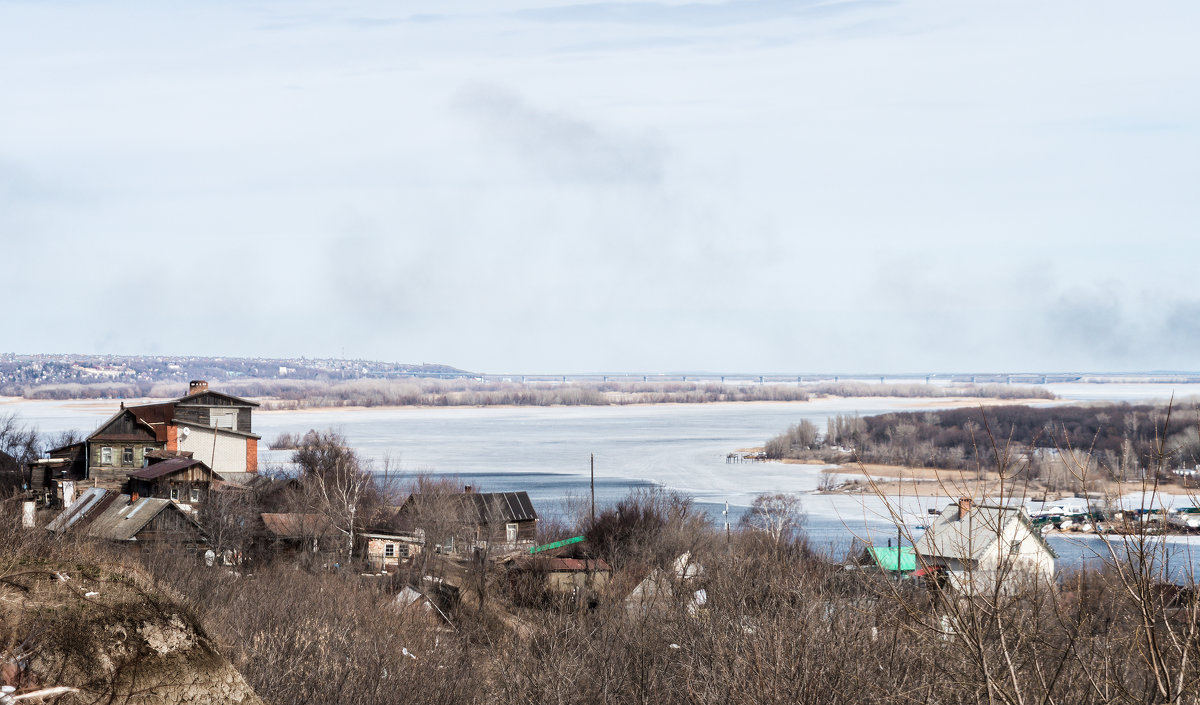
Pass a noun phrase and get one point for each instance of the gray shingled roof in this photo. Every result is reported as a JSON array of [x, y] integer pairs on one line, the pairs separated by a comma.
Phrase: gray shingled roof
[[971, 537]]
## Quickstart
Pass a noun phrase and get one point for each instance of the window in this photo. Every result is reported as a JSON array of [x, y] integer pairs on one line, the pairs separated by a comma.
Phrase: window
[[106, 455], [127, 456], [174, 494], [195, 494], [510, 533], [1014, 548], [389, 550], [402, 550]]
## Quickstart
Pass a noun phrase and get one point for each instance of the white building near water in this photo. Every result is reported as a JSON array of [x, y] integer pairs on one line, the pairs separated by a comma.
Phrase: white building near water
[[982, 548]]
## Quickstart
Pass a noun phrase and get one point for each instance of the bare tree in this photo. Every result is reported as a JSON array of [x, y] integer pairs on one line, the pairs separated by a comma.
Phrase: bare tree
[[779, 516], [337, 484], [227, 517]]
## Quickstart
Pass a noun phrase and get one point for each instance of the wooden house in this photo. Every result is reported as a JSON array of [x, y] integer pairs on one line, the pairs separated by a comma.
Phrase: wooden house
[[54, 480], [299, 534], [980, 548], [185, 481], [210, 426], [503, 521], [107, 515]]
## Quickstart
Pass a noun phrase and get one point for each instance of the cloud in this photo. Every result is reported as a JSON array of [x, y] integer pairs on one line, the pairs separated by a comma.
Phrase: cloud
[[1112, 325], [560, 146]]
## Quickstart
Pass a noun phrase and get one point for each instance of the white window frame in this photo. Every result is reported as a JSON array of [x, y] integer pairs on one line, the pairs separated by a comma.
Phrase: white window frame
[[195, 494], [106, 455], [174, 494], [389, 550], [127, 455], [511, 531]]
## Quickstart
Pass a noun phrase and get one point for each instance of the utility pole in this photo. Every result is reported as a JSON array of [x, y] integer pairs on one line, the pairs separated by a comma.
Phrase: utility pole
[[728, 533], [593, 489]]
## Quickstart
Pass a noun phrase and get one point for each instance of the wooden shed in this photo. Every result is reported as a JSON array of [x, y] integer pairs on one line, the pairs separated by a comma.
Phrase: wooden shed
[[184, 480]]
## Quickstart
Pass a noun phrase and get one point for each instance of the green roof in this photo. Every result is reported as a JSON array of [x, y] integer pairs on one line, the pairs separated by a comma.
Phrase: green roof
[[885, 557]]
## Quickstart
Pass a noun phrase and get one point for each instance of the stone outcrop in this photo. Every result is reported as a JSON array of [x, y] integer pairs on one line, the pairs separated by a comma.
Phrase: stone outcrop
[[112, 637]]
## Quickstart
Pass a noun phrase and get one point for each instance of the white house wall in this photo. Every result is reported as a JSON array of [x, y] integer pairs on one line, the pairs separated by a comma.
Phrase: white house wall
[[230, 450], [998, 562]]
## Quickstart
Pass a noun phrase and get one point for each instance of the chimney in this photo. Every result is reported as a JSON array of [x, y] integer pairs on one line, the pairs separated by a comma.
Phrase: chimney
[[467, 489], [197, 386], [964, 507]]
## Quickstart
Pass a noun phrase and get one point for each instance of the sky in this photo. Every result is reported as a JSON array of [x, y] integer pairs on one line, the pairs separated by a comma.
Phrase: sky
[[541, 186]]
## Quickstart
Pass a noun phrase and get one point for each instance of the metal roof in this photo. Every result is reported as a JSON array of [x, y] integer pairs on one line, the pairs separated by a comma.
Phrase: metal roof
[[122, 520], [73, 515], [186, 398], [168, 467], [573, 565], [506, 506]]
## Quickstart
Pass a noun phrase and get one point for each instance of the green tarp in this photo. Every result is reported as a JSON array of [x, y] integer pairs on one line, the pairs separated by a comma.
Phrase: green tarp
[[557, 544], [885, 558]]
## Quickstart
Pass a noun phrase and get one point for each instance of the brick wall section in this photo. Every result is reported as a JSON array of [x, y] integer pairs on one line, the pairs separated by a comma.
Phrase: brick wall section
[[251, 455], [172, 437]]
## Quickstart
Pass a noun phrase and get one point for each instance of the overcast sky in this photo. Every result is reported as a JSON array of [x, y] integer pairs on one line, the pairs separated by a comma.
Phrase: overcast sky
[[542, 186]]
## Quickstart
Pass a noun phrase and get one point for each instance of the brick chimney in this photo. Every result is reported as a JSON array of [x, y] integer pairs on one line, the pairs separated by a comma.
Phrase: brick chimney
[[197, 386], [964, 507]]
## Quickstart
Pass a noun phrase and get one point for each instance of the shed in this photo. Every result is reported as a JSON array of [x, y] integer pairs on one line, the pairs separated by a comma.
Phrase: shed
[[184, 480], [389, 549], [147, 520], [104, 514]]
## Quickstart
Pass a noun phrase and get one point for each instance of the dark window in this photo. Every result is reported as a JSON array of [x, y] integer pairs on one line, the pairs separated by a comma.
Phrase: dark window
[[389, 550], [127, 456]]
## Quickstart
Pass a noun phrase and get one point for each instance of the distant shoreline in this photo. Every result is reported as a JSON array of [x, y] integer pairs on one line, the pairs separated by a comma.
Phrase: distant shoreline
[[917, 403]]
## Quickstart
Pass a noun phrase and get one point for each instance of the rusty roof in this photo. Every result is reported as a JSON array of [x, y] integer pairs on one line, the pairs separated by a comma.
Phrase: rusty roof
[[296, 525], [169, 467], [575, 565]]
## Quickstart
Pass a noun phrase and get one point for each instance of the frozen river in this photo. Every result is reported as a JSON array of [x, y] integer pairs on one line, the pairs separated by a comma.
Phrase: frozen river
[[546, 450]]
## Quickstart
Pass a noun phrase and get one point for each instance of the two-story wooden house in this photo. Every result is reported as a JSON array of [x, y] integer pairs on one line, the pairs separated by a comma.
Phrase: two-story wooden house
[[209, 426]]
